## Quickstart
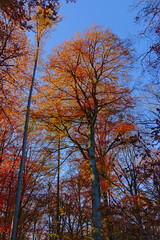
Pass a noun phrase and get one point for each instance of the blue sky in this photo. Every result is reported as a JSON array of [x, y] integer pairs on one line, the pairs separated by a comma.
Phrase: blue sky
[[115, 14], [118, 15]]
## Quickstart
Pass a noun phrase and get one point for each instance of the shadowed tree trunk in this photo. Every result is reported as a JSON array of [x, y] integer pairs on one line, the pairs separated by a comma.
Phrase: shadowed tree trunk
[[96, 212], [58, 179], [80, 210]]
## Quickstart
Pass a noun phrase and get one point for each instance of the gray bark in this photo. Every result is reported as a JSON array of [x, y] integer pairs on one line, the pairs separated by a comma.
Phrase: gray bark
[[96, 211]]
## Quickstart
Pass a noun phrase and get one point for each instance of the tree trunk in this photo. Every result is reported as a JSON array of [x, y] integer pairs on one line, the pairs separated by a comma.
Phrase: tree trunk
[[80, 210], [96, 211], [58, 176], [20, 176]]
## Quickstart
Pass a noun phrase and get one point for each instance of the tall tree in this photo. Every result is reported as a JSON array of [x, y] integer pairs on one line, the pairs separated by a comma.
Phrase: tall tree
[[42, 23], [84, 89]]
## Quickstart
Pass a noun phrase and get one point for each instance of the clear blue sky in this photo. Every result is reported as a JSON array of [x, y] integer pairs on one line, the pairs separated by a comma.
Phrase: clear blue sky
[[115, 14]]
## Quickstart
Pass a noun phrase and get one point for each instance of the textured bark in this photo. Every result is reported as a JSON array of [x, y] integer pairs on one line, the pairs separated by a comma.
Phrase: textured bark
[[96, 211]]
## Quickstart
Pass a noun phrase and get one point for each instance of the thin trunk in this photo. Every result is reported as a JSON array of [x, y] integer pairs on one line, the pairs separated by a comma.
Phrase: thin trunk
[[58, 177], [34, 230], [49, 214], [20, 176], [80, 210], [96, 211], [87, 228]]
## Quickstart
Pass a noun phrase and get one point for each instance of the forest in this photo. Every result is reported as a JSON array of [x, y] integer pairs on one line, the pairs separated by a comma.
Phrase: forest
[[77, 160]]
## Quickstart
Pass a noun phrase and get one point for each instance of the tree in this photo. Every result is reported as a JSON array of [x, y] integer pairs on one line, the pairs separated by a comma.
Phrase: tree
[[83, 91], [14, 52], [42, 23], [21, 11], [149, 14], [9, 155], [31, 196], [156, 129]]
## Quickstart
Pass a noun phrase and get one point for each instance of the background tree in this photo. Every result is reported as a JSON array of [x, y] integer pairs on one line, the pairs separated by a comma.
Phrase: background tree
[[21, 11], [149, 14], [32, 197]]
